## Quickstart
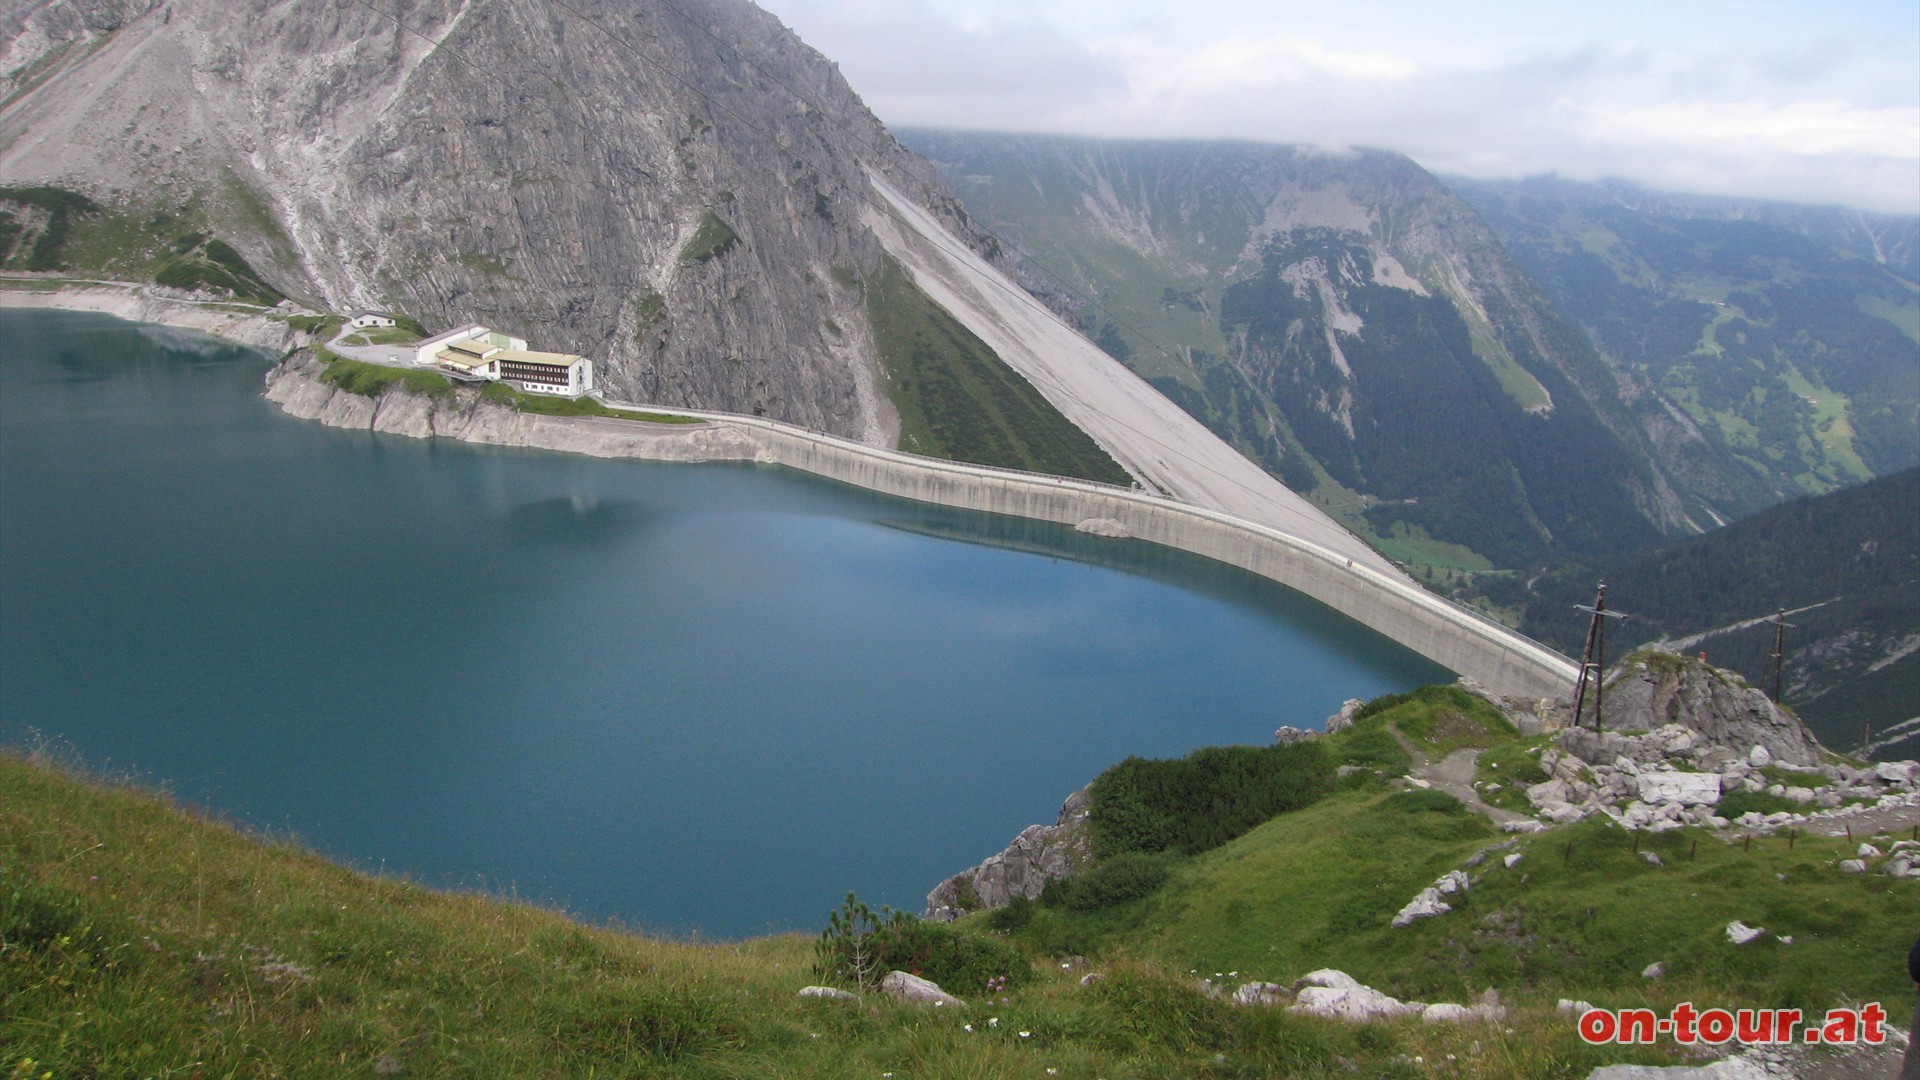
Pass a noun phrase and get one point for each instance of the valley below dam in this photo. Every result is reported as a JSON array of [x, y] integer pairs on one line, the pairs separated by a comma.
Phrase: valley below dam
[[695, 699]]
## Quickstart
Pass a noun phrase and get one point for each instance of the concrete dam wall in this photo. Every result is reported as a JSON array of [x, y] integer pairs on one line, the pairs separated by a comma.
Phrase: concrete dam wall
[[1458, 639], [1443, 632]]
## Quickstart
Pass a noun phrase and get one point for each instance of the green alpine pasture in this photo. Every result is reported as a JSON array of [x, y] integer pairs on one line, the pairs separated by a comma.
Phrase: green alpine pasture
[[138, 938]]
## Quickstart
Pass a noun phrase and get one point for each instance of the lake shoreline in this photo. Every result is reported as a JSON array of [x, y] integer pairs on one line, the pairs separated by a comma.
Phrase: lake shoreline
[[244, 324], [1450, 636]]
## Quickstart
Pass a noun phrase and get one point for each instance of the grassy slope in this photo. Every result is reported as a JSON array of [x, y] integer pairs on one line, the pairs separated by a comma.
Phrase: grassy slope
[[143, 941], [139, 940], [173, 244], [1317, 888], [958, 400]]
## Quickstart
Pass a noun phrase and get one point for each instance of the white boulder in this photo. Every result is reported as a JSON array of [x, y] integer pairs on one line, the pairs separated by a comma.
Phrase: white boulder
[[1424, 905], [1427, 902], [829, 993], [1740, 933], [1339, 996], [915, 989], [1674, 786], [1445, 1012]]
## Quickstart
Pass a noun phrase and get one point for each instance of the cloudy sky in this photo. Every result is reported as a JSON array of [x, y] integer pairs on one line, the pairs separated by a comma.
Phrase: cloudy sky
[[1809, 100]]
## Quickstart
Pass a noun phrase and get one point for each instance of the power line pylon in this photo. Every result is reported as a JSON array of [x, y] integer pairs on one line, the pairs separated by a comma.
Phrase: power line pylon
[[1776, 657], [1593, 661]]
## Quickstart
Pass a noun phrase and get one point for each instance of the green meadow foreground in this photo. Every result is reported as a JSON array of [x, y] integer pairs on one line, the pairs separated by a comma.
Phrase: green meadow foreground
[[140, 939]]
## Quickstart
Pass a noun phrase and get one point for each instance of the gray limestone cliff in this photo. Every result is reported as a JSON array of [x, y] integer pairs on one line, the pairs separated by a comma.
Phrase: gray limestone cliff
[[1041, 853], [675, 190]]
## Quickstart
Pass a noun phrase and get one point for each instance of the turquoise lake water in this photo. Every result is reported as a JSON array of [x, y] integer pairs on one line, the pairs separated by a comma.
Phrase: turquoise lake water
[[686, 698]]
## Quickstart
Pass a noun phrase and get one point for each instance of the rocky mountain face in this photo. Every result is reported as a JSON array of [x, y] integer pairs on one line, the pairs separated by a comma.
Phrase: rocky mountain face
[[674, 190], [1348, 322], [1778, 345]]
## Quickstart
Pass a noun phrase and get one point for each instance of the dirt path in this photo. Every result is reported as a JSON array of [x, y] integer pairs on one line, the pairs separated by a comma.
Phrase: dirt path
[[1454, 775], [1900, 820]]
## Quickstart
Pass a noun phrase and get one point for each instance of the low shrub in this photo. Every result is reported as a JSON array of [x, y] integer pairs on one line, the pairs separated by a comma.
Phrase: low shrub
[[34, 916], [1016, 915], [624, 1030], [1125, 877], [1205, 799], [1148, 1009], [962, 963], [859, 947], [1371, 747]]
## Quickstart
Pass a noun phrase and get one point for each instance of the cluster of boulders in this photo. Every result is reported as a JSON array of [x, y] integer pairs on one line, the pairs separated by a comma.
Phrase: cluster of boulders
[[1902, 859], [1427, 902], [1674, 776], [1337, 995]]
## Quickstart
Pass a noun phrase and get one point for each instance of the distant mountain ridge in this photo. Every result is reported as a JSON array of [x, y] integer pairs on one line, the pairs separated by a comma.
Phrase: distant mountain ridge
[[1347, 322], [1787, 338]]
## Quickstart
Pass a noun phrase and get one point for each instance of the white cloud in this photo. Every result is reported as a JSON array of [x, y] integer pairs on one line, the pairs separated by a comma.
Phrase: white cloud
[[1157, 69], [1806, 128], [1776, 105]]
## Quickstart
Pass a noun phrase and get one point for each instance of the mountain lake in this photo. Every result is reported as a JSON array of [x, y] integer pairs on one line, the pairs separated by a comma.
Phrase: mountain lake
[[688, 699]]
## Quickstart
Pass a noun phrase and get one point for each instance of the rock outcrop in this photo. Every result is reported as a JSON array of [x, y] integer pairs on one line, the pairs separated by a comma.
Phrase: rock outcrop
[[1679, 735], [296, 386], [1648, 690], [1038, 855], [1337, 995], [1428, 902]]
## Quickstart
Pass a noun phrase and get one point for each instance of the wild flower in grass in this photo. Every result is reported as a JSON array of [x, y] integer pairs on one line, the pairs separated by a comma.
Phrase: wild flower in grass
[[1026, 1034], [966, 1027], [993, 1021]]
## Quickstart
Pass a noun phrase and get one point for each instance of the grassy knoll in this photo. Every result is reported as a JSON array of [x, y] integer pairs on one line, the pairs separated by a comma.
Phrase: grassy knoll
[[372, 380], [551, 405], [383, 335], [958, 400], [50, 228]]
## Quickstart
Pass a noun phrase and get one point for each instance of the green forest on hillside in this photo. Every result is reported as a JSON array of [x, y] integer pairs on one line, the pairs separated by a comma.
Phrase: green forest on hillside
[[1791, 341], [958, 400]]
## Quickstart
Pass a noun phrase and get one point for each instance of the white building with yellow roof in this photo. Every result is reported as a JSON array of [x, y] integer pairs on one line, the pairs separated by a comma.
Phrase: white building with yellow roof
[[475, 352]]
